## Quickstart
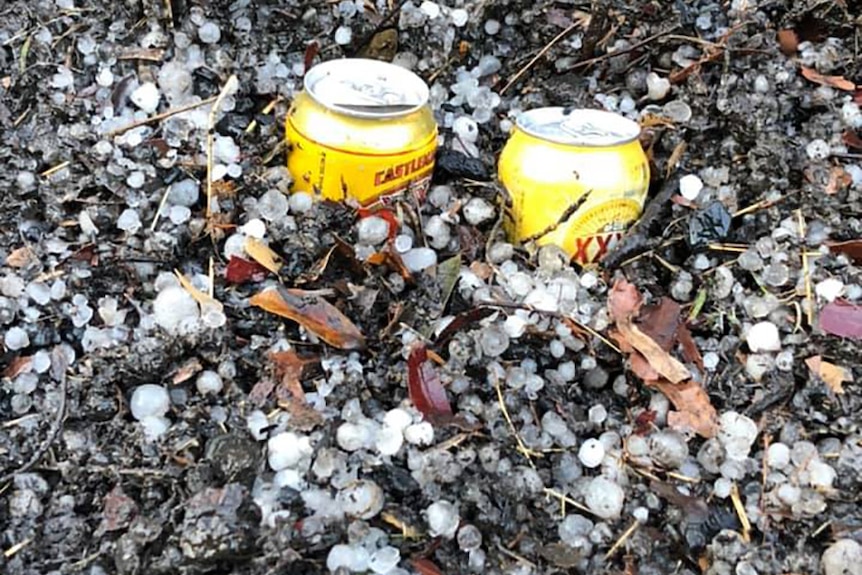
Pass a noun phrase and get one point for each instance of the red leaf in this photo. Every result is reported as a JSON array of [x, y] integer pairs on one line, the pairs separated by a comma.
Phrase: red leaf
[[311, 50], [857, 96], [385, 214], [423, 384], [240, 270], [842, 319], [425, 566]]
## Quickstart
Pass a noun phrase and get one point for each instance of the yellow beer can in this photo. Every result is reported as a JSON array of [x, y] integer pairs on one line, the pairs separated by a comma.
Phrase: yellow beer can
[[576, 178], [361, 129]]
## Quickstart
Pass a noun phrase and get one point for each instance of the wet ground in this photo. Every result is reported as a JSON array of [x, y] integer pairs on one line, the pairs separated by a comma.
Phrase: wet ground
[[761, 103]]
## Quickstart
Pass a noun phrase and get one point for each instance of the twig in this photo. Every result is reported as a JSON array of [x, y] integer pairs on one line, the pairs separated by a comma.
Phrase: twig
[[565, 499], [160, 208], [229, 88], [59, 375], [619, 542], [740, 511], [631, 48], [16, 548], [806, 272], [160, 117], [541, 53], [51, 171], [525, 451]]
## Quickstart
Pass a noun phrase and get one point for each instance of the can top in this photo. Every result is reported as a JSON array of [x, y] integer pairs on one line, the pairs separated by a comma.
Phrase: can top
[[366, 88], [579, 127]]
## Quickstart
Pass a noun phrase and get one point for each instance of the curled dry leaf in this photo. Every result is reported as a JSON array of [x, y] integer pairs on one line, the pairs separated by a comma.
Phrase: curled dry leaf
[[18, 366], [423, 384], [262, 254], [832, 375], [313, 313], [842, 319], [623, 301], [693, 412], [839, 180], [203, 299], [837, 82], [289, 367]]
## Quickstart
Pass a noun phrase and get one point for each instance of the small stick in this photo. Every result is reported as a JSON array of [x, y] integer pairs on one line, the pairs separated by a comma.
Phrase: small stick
[[631, 48], [626, 534], [566, 499], [229, 87], [266, 110], [740, 511], [806, 272], [51, 171], [160, 117], [16, 548], [525, 451], [541, 53], [160, 208]]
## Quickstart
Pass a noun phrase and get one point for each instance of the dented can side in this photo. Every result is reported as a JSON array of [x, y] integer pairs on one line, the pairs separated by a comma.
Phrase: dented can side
[[362, 130], [576, 179]]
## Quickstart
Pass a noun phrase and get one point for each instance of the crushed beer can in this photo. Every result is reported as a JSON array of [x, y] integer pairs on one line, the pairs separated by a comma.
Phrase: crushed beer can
[[361, 130], [575, 178]]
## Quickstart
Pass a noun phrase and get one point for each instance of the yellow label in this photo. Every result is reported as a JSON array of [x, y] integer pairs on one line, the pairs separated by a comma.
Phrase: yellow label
[[605, 186], [338, 174]]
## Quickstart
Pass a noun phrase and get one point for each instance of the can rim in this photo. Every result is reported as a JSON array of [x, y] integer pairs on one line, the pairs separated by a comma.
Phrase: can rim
[[365, 68], [610, 129]]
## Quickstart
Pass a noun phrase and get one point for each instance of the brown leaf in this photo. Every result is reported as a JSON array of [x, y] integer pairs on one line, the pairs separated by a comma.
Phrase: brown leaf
[[661, 322], [837, 82], [313, 313], [832, 375], [624, 301], [838, 180], [851, 139], [260, 391], [289, 368], [689, 348], [20, 257], [262, 254], [18, 366], [240, 270], [661, 361], [693, 412], [425, 566], [851, 248], [788, 41]]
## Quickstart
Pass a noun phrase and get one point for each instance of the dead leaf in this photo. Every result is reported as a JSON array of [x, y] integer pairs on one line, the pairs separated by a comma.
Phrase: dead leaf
[[788, 41], [851, 248], [694, 411], [832, 375], [187, 370], [313, 313], [841, 319], [838, 180], [240, 270], [425, 566], [623, 300], [851, 139], [407, 532], [289, 367], [262, 254], [18, 366], [837, 82], [203, 299], [20, 257], [424, 387], [260, 391]]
